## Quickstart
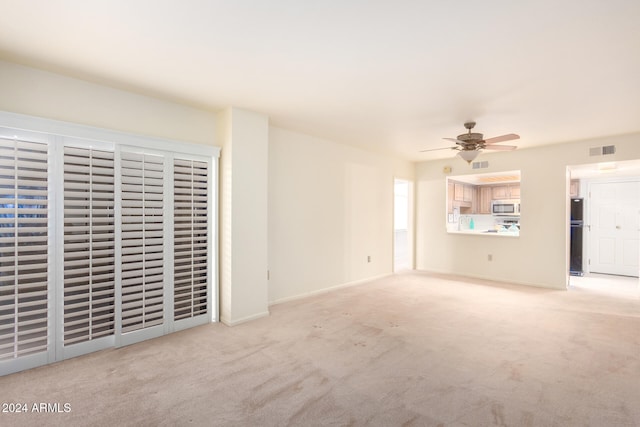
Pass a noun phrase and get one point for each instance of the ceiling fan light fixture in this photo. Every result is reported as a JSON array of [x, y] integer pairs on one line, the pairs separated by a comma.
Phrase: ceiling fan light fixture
[[468, 145], [469, 155]]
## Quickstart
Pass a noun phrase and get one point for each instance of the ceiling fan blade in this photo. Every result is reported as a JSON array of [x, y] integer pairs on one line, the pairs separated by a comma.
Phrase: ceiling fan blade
[[501, 147], [436, 149], [457, 141], [502, 138]]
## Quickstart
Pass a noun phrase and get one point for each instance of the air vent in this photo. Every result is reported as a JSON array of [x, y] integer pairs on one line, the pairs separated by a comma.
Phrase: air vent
[[602, 151], [480, 165]]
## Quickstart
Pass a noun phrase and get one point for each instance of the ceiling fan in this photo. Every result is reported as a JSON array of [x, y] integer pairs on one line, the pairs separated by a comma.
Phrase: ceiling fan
[[469, 144]]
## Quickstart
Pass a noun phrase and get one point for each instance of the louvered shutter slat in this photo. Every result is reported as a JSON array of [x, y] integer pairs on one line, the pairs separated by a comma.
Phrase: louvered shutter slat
[[24, 248], [142, 240], [190, 207], [89, 273]]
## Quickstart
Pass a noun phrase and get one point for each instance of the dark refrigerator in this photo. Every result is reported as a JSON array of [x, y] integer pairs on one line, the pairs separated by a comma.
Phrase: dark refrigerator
[[575, 252]]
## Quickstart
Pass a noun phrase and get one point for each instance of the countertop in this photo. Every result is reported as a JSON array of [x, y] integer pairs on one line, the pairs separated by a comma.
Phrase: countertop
[[486, 233]]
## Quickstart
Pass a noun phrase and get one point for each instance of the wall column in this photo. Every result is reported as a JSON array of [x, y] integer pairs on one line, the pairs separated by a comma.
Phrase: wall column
[[244, 137]]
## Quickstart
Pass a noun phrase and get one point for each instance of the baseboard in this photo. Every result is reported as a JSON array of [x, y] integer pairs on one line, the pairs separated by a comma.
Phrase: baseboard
[[235, 322], [494, 279], [329, 289]]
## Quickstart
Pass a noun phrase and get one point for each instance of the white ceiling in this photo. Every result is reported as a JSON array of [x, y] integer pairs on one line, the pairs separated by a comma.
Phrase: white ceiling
[[390, 76]]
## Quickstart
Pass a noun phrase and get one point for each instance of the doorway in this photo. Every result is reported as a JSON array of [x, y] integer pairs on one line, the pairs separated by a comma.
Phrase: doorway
[[402, 229], [611, 252]]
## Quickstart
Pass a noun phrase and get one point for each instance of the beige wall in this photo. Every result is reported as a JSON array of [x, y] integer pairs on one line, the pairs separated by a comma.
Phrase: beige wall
[[330, 207], [43, 94], [539, 256], [243, 215]]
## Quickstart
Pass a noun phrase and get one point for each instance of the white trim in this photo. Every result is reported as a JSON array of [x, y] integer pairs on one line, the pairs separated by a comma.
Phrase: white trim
[[86, 347], [9, 132], [244, 319], [139, 335], [23, 363], [117, 222], [179, 325], [69, 141], [213, 306], [168, 227], [494, 279], [56, 186]]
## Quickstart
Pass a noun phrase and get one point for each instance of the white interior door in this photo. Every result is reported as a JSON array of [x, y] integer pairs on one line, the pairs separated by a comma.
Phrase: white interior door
[[614, 214]]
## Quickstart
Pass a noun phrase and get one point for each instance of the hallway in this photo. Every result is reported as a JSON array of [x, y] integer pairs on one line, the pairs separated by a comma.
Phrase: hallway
[[605, 284]]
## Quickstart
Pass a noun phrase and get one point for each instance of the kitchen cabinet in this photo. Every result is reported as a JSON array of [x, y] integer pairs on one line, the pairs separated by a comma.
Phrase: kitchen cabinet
[[484, 194], [476, 199], [468, 193], [503, 192], [462, 196], [458, 192], [463, 192], [499, 192]]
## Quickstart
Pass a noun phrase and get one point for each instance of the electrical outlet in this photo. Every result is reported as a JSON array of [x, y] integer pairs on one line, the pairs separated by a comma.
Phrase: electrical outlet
[[368, 258], [489, 257]]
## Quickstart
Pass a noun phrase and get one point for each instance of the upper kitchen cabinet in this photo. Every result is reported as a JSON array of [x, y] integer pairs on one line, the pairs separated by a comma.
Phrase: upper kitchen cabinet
[[462, 192], [468, 193], [458, 192], [462, 196], [485, 195], [503, 192]]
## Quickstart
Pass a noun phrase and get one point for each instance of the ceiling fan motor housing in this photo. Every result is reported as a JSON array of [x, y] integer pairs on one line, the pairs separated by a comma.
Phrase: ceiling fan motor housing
[[469, 140], [470, 137]]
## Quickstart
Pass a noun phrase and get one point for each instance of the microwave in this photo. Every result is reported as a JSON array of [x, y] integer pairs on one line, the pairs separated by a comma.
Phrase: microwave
[[505, 207]]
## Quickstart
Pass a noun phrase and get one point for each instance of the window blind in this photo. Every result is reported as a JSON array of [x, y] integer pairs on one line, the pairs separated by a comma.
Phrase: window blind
[[190, 238], [89, 258], [23, 248], [142, 240], [104, 241]]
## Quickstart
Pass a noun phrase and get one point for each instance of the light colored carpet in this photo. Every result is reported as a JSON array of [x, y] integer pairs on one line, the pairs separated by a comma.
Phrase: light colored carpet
[[413, 349]]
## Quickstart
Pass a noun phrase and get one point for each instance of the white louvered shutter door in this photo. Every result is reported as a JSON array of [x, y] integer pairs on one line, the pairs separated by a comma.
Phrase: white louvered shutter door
[[142, 241], [190, 238], [89, 285], [23, 248]]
